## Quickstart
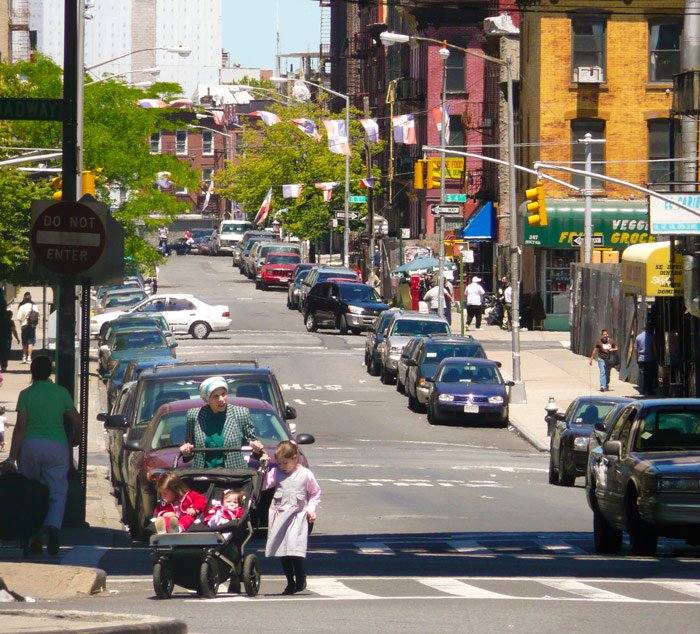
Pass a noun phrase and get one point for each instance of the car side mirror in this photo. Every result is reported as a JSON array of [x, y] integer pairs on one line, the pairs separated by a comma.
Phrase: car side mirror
[[612, 448], [429, 379], [411, 363], [305, 439], [102, 417], [510, 383], [498, 364], [560, 415], [290, 413], [599, 426], [107, 375], [116, 421], [173, 344], [132, 445]]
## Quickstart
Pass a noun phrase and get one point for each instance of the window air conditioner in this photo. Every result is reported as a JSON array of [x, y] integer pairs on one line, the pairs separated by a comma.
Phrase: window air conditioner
[[588, 75]]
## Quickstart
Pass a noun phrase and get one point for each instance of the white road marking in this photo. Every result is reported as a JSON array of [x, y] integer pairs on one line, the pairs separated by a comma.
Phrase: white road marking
[[585, 590], [374, 548], [690, 588], [468, 546], [310, 386], [501, 469], [461, 589], [335, 589], [560, 548], [324, 402], [296, 400]]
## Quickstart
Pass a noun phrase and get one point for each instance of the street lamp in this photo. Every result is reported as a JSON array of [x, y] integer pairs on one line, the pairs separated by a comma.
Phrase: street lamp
[[517, 392], [444, 53], [151, 71], [346, 230], [182, 51]]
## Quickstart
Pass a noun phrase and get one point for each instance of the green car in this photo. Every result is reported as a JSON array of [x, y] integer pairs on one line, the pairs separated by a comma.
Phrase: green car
[[141, 321], [133, 345]]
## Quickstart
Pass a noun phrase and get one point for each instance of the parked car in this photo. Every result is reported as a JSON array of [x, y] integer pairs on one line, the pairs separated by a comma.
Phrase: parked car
[[568, 445], [198, 235], [277, 269], [134, 343], [184, 313], [347, 306], [180, 246], [374, 341], [114, 381], [146, 320], [248, 236], [600, 430], [400, 330], [322, 274], [262, 252], [100, 291], [426, 358], [114, 438], [402, 367], [158, 448], [645, 478], [468, 390], [230, 232], [294, 286], [247, 251], [119, 300]]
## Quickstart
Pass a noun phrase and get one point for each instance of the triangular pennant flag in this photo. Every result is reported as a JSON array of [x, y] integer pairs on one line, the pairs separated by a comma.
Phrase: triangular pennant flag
[[291, 191], [404, 129], [368, 183], [337, 136], [264, 209], [371, 128], [308, 127], [327, 189], [268, 118]]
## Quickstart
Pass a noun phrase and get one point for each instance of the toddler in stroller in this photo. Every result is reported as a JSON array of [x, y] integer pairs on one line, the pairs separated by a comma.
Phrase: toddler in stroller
[[206, 556]]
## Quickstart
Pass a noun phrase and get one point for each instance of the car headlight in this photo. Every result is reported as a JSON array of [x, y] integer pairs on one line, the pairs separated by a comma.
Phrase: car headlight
[[446, 397], [356, 310], [678, 484], [496, 400], [581, 444], [296, 291], [380, 346], [396, 349]]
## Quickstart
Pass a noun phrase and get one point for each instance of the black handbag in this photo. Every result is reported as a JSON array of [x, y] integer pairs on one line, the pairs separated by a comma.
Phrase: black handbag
[[73, 433], [613, 359]]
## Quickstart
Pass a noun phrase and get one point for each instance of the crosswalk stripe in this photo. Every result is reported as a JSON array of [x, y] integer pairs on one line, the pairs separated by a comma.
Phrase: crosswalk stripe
[[468, 546], [374, 548], [334, 589], [460, 589], [586, 591], [560, 548], [690, 588]]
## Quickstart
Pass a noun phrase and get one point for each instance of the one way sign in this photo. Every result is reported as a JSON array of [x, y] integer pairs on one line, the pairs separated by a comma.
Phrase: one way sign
[[576, 240]]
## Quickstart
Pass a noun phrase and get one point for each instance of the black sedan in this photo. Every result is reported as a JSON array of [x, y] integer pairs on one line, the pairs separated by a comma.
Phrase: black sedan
[[180, 247], [568, 447]]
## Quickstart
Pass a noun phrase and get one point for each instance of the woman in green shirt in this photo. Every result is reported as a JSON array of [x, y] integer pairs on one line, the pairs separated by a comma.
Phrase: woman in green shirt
[[218, 424], [40, 445]]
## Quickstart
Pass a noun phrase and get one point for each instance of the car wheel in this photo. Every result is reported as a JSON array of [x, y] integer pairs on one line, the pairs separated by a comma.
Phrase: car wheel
[[251, 575], [399, 386], [343, 325], [163, 582], [607, 540], [553, 475], [355, 331], [289, 304], [208, 578], [385, 377], [643, 539], [433, 418], [565, 479], [140, 520], [258, 285], [412, 401], [200, 330], [310, 322], [373, 367]]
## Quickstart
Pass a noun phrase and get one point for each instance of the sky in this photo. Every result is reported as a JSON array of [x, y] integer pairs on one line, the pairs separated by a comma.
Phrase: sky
[[249, 30]]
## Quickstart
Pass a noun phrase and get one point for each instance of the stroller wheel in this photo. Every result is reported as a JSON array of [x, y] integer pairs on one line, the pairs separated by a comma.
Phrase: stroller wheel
[[163, 579], [208, 578], [251, 575], [234, 585]]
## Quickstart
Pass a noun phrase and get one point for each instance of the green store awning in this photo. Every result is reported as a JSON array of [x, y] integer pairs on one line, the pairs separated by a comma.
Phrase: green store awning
[[617, 224]]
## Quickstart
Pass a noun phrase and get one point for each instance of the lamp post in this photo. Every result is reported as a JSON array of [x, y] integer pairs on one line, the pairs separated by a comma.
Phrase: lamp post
[[151, 71], [517, 392], [346, 229], [444, 53]]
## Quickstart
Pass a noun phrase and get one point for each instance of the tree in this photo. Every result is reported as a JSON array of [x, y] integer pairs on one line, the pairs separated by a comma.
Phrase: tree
[[116, 139], [272, 156]]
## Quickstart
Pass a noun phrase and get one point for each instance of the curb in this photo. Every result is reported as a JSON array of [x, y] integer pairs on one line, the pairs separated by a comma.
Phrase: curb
[[62, 621], [521, 430], [52, 582]]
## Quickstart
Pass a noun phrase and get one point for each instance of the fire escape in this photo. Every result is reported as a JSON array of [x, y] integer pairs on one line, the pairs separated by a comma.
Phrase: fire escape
[[19, 48], [325, 47]]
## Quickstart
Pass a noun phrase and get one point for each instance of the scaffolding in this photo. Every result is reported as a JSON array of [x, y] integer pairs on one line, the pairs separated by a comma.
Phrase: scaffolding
[[325, 47], [19, 45]]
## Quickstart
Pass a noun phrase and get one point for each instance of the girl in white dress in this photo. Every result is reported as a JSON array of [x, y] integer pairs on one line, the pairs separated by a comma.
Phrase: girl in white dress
[[297, 495]]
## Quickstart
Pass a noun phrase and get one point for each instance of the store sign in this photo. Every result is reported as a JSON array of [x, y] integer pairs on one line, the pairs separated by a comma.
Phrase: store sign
[[454, 167], [666, 218], [646, 270]]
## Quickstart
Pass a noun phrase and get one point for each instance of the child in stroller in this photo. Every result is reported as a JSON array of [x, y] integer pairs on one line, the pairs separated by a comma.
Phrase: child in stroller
[[205, 557], [178, 505]]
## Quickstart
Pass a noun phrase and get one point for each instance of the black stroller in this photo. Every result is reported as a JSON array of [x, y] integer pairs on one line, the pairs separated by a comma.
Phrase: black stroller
[[25, 504], [205, 557]]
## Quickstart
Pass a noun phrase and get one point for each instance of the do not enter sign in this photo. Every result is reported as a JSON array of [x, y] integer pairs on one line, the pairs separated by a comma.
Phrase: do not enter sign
[[68, 238]]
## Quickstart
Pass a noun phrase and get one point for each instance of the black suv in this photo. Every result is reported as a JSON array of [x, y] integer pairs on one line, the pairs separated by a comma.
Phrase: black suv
[[346, 306]]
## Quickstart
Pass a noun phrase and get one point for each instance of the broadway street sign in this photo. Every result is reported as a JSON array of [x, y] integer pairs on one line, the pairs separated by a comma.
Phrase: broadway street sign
[[31, 109]]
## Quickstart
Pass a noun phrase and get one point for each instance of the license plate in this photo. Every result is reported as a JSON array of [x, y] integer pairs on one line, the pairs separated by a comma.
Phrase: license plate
[[284, 279], [471, 409]]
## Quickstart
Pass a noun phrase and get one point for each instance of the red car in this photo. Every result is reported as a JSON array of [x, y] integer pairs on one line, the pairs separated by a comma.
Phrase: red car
[[159, 446], [277, 270]]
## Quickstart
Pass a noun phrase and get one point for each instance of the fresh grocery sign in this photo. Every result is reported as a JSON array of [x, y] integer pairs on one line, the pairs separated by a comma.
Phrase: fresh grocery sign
[[665, 217]]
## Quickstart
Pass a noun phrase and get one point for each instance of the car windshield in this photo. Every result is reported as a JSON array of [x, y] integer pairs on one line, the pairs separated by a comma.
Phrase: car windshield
[[468, 373], [276, 248], [133, 324], [669, 430], [118, 371], [416, 327], [134, 340], [358, 293], [124, 299], [590, 413], [301, 275], [170, 430], [341, 275], [200, 233], [242, 228], [159, 392], [434, 353], [291, 258], [204, 301]]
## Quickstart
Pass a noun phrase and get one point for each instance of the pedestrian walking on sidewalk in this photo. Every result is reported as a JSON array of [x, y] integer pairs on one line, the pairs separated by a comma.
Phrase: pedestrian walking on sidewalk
[[432, 298], [40, 445], [603, 349], [475, 307], [27, 316], [3, 423], [7, 332], [644, 346]]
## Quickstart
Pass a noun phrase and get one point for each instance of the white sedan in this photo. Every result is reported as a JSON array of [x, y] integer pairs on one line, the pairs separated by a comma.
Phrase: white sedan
[[184, 313]]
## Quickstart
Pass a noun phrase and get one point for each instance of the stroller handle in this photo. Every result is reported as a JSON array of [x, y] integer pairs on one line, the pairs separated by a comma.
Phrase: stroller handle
[[244, 448]]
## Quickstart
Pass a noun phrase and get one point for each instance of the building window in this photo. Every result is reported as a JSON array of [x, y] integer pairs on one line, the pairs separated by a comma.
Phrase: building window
[[181, 141], [207, 176], [664, 50], [456, 130], [662, 139], [587, 44], [155, 143], [207, 142], [455, 71], [579, 129], [181, 191]]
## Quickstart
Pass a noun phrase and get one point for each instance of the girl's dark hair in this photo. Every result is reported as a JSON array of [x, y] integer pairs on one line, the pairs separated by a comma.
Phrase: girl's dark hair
[[27, 299], [40, 368], [172, 482], [286, 450]]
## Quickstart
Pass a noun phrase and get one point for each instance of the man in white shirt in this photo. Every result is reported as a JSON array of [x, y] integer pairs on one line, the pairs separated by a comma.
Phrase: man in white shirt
[[508, 305], [27, 329], [475, 308]]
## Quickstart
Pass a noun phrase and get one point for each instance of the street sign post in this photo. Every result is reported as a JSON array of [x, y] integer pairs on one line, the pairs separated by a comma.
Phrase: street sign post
[[31, 109], [358, 199], [445, 210], [578, 240], [455, 198], [352, 215]]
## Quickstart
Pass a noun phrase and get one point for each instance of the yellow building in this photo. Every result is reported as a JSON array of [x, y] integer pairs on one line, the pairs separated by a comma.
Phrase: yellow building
[[604, 68]]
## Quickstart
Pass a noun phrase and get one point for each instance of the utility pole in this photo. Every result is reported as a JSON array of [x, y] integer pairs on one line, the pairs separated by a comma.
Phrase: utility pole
[[588, 140], [690, 60], [370, 198], [444, 53]]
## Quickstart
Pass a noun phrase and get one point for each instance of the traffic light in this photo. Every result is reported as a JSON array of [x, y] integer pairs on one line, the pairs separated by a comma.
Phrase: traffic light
[[89, 179], [536, 207], [418, 180], [431, 174], [57, 184]]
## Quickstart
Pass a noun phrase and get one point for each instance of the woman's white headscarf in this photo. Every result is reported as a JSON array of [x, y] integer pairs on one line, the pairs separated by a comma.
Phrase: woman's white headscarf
[[209, 385]]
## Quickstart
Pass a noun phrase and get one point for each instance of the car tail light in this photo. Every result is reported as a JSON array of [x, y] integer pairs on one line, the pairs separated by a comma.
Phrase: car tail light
[[226, 314]]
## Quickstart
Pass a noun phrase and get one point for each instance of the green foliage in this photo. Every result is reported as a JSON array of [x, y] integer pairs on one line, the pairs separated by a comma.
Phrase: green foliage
[[272, 156]]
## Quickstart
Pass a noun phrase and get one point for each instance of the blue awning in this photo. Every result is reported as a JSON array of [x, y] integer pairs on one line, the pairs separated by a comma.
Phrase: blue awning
[[479, 226]]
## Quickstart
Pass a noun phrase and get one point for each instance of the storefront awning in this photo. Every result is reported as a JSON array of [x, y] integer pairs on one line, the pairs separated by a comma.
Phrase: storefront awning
[[646, 270], [479, 226], [617, 224]]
